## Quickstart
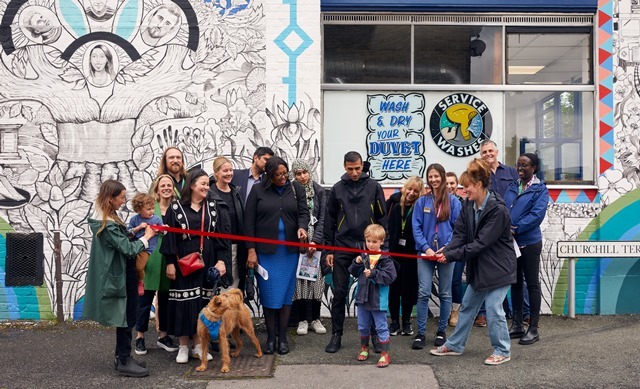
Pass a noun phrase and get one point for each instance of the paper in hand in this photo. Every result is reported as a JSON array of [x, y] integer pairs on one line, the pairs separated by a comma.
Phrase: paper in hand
[[262, 272]]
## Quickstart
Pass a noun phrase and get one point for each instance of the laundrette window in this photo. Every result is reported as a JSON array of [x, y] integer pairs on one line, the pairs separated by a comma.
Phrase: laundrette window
[[558, 126], [381, 54]]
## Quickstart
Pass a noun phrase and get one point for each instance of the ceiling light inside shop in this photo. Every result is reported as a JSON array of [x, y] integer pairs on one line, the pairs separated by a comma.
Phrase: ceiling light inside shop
[[525, 69]]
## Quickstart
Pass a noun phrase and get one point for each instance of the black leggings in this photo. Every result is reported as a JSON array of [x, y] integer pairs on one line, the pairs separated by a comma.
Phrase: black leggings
[[307, 309], [529, 269]]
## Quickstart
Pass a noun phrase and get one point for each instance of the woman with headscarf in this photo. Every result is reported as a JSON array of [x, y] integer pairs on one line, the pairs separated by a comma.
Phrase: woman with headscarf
[[307, 299], [527, 199]]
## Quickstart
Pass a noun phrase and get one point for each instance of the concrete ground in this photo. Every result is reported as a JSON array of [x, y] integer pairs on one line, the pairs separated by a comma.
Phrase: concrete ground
[[588, 352]]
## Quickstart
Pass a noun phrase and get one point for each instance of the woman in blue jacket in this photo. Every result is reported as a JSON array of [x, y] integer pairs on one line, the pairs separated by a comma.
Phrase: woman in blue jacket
[[433, 220], [527, 199]]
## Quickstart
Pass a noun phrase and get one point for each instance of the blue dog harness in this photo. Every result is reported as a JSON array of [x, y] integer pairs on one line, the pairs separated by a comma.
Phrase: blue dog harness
[[212, 326]]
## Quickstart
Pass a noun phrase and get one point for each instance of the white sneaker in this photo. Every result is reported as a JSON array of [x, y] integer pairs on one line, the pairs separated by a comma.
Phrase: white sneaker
[[303, 328], [197, 350], [317, 326], [183, 354]]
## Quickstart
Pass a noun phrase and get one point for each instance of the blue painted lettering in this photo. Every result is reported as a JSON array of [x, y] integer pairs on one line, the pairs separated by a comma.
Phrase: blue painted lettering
[[390, 106], [400, 121]]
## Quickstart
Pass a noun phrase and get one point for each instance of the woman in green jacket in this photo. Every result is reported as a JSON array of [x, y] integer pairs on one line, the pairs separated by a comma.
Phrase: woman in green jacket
[[111, 296]]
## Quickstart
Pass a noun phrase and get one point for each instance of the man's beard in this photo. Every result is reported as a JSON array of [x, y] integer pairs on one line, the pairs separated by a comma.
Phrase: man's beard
[[175, 168]]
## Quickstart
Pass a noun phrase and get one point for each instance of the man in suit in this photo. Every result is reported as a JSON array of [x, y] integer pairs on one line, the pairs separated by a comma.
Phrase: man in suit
[[246, 178]]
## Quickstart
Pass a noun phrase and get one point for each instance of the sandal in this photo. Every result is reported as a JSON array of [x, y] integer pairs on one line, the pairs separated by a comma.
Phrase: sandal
[[496, 359], [385, 359], [364, 353]]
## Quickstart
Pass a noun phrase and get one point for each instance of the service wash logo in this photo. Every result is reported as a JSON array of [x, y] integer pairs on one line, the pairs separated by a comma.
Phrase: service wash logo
[[459, 123]]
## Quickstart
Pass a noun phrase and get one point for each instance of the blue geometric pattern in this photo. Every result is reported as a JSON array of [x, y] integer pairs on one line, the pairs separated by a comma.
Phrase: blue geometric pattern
[[292, 53]]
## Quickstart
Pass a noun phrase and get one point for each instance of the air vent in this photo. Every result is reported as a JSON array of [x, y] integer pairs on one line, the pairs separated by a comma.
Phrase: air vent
[[512, 19]]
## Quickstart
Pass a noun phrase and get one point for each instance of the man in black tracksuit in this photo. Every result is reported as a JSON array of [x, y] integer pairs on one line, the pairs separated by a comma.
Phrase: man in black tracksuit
[[355, 202]]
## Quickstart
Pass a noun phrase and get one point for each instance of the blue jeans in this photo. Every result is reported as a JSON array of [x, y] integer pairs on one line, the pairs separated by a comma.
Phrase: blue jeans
[[378, 318], [425, 278], [456, 282], [496, 321]]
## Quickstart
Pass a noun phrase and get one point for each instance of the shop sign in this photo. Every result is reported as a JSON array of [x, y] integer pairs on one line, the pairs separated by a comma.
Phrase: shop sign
[[459, 123]]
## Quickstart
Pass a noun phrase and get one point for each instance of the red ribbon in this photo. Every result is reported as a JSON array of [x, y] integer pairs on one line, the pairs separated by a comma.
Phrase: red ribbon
[[287, 243]]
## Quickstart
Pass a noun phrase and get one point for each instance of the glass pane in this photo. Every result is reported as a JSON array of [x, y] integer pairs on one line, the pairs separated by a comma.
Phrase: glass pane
[[367, 54], [549, 58], [458, 55], [565, 147]]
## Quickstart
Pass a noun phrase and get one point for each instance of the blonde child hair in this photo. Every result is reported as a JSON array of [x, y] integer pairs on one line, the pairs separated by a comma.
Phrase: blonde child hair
[[375, 231]]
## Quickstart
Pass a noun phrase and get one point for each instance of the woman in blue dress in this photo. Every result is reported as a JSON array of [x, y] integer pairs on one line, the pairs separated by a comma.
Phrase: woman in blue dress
[[276, 209]]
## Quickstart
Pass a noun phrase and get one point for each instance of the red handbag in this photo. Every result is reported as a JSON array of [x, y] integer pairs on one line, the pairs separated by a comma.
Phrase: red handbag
[[192, 262]]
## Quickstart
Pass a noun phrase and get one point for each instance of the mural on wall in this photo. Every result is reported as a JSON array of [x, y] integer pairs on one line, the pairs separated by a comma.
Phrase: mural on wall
[[96, 89]]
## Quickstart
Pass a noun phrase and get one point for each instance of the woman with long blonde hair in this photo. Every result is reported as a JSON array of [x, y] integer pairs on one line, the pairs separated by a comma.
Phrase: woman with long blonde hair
[[405, 287]]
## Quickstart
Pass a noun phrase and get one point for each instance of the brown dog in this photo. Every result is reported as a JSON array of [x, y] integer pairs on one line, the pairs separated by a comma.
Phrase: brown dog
[[231, 315]]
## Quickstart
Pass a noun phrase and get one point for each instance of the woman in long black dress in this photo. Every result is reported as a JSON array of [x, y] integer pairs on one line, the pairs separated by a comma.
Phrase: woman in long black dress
[[189, 294]]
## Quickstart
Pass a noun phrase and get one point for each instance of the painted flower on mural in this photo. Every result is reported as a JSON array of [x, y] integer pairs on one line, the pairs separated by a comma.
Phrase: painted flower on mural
[[196, 144], [612, 185], [629, 156], [623, 84], [239, 112], [291, 134]]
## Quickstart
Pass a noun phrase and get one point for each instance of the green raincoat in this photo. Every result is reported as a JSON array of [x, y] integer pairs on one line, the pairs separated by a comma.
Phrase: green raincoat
[[105, 299]]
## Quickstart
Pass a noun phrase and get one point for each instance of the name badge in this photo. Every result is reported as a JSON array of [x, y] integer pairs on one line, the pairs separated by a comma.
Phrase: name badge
[[402, 242], [427, 210]]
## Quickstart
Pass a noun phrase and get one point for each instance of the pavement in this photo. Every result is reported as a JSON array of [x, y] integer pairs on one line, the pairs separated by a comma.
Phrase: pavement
[[587, 352]]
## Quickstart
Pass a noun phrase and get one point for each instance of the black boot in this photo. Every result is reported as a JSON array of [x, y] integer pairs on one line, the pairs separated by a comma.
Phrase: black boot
[[375, 341], [132, 369], [516, 330], [334, 344], [531, 337], [137, 362]]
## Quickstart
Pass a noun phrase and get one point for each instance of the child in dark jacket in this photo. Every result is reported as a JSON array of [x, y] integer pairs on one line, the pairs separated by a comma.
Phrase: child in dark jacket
[[375, 272]]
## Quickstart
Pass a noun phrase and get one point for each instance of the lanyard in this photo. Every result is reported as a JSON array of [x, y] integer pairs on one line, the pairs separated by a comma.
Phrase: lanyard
[[404, 219], [437, 215]]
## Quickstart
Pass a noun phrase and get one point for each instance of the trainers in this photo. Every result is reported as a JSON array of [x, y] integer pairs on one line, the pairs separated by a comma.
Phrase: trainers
[[183, 354], [141, 349], [303, 328], [317, 327], [407, 330], [481, 321], [440, 339], [442, 351], [394, 328], [167, 344], [496, 359], [418, 342], [140, 288], [197, 350]]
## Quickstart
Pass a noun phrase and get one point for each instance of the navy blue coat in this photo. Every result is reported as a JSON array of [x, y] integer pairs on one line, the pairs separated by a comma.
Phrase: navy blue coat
[[373, 293], [527, 211]]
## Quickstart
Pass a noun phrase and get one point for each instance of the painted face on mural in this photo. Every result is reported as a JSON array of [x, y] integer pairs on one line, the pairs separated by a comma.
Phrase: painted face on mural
[[98, 59], [99, 7], [163, 21], [39, 24]]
